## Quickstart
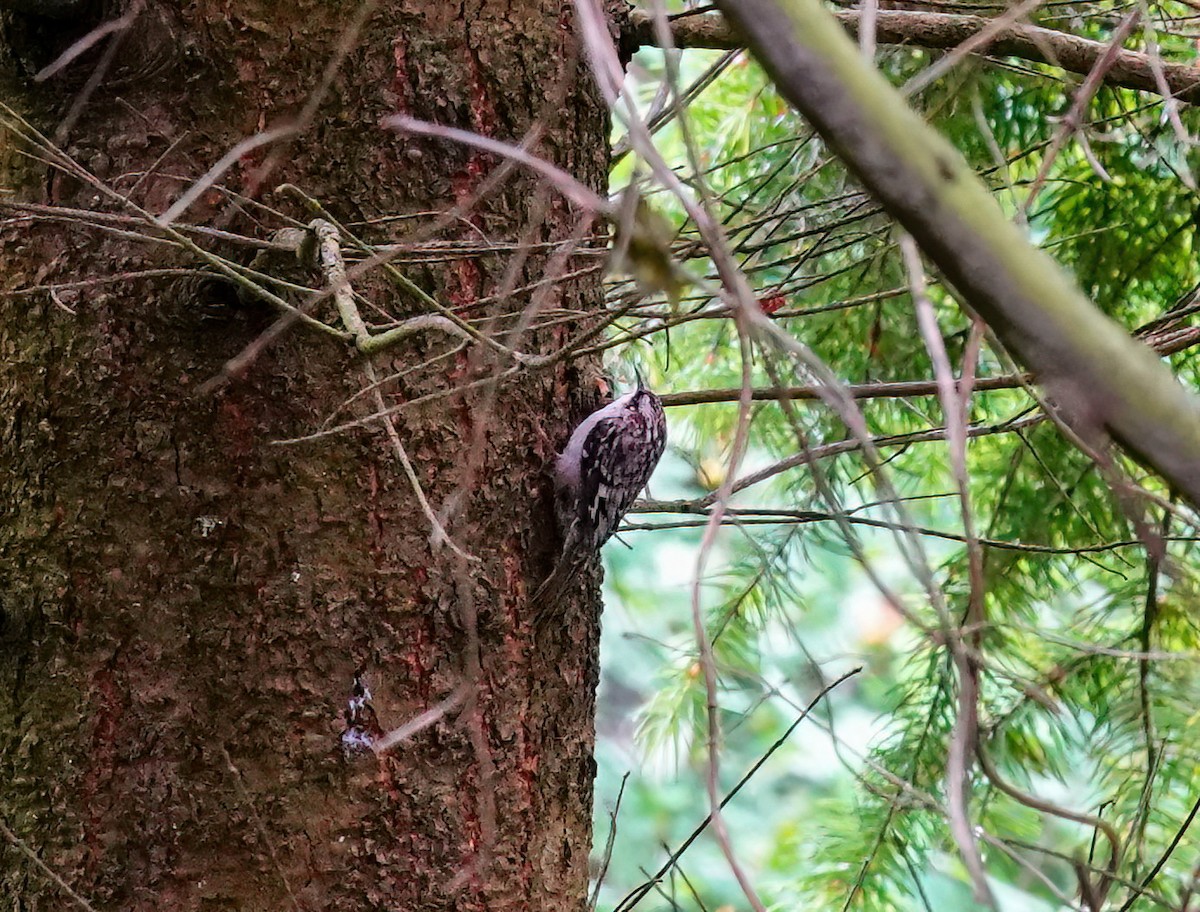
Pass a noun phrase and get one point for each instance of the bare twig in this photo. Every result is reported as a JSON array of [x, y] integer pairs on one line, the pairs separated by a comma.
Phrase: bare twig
[[232, 271], [1047, 807], [419, 723], [23, 847], [585, 198], [902, 389], [602, 56], [223, 164], [636, 896], [608, 845], [966, 723], [1073, 121], [63, 130], [978, 43], [90, 40], [330, 260], [263, 835]]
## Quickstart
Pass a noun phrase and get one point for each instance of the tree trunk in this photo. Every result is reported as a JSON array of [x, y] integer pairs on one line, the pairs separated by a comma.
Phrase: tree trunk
[[184, 604]]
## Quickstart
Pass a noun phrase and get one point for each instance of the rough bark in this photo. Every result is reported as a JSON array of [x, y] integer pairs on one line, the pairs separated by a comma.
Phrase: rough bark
[[183, 604]]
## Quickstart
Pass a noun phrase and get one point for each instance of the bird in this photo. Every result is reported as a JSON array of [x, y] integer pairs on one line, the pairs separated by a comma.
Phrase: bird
[[606, 463]]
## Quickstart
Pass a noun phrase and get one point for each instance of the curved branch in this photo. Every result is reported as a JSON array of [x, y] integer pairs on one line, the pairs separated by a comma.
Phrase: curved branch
[[942, 31], [1105, 381]]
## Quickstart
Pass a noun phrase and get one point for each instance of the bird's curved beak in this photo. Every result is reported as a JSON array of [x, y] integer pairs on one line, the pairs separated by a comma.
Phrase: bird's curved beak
[[638, 375]]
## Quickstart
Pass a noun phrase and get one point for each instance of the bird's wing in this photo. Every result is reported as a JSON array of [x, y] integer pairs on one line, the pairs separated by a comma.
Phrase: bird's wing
[[609, 480]]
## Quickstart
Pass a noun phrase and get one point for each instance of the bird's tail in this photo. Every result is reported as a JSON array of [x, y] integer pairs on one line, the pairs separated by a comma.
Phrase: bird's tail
[[544, 604]]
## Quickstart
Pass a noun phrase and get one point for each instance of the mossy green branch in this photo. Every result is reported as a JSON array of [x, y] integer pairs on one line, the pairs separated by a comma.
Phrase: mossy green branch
[[1101, 377]]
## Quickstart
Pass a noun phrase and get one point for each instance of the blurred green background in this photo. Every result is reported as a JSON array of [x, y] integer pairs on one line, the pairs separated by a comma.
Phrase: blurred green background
[[1089, 655]]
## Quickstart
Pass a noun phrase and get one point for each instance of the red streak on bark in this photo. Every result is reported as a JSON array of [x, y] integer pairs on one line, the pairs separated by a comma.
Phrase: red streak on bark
[[483, 113], [472, 824], [463, 409], [385, 776], [103, 750], [376, 516], [463, 284], [237, 429], [419, 645], [401, 87], [463, 290], [514, 586], [530, 755]]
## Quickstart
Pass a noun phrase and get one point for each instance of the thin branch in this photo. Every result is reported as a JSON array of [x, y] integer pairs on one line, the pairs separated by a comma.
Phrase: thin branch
[[608, 845], [89, 40], [1158, 865], [702, 213], [23, 847], [418, 723], [812, 455], [1109, 383], [329, 257], [1165, 342], [902, 389], [978, 43], [765, 516], [942, 31], [636, 896], [582, 196], [445, 319], [1054, 810], [1073, 121]]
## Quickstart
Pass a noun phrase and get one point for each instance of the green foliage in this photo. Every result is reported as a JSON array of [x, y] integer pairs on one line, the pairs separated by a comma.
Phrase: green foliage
[[1087, 659]]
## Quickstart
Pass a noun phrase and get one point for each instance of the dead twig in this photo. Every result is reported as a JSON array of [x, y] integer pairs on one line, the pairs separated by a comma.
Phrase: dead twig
[[419, 723], [23, 847]]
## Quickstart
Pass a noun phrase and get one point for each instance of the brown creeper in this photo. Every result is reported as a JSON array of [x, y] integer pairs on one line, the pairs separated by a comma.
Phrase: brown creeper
[[598, 475]]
